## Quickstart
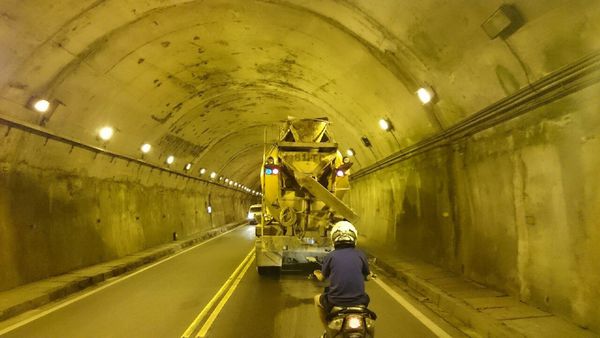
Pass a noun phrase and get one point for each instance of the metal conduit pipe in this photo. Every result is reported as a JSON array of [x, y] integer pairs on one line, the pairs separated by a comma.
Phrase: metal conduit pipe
[[565, 81], [33, 129]]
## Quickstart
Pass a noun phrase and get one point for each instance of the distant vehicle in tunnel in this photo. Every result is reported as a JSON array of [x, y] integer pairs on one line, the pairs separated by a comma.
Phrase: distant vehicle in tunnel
[[303, 178], [254, 214]]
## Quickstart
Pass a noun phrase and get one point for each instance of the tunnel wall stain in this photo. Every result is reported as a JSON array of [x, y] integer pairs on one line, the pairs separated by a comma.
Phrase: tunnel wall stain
[[62, 209], [513, 207]]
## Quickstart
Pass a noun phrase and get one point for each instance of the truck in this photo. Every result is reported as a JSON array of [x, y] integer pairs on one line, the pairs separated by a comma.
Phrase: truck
[[303, 179]]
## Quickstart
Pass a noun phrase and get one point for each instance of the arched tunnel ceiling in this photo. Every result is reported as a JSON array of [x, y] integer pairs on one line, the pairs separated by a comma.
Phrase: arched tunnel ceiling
[[202, 80]]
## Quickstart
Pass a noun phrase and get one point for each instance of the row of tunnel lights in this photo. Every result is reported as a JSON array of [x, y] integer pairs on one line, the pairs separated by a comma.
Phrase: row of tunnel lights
[[425, 95], [107, 132]]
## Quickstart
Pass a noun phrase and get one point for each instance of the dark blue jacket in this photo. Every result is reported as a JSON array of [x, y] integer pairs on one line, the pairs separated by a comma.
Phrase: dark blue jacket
[[346, 270]]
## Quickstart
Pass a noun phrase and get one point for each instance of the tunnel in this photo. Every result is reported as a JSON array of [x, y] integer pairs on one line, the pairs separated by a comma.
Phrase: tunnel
[[473, 127]]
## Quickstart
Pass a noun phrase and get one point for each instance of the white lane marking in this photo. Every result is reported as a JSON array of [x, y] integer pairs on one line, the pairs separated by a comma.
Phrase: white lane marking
[[438, 331], [71, 301]]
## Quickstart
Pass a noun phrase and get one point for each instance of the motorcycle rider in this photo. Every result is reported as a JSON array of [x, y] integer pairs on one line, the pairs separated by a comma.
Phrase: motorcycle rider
[[346, 268]]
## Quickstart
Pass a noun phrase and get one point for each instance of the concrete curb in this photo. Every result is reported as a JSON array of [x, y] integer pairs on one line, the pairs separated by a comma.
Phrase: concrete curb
[[33, 295], [457, 308]]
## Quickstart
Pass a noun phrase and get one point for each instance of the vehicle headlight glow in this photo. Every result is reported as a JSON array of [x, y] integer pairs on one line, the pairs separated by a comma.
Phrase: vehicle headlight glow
[[275, 171]]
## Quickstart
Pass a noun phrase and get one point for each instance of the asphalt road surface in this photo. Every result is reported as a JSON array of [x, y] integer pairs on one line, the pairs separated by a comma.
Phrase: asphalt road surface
[[165, 299]]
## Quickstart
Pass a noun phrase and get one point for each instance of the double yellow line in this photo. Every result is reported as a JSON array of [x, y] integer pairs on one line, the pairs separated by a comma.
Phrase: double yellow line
[[228, 288]]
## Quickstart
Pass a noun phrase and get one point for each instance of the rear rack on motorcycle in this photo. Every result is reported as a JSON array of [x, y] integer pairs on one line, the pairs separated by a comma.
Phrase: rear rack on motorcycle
[[342, 310]]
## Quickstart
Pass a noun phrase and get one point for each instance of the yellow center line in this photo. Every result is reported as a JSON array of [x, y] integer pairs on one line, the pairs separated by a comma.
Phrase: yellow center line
[[213, 316], [218, 295]]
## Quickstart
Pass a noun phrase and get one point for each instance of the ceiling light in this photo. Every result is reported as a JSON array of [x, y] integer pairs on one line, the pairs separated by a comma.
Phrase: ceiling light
[[213, 175], [106, 133], [170, 159], [385, 124], [187, 167], [226, 180], [202, 171], [230, 182], [145, 148], [42, 105], [425, 94], [350, 152]]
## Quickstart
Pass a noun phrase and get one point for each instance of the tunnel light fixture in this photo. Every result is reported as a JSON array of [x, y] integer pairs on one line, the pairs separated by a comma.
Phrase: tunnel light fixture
[[202, 171], [366, 142], [106, 133], [170, 159], [226, 180], [503, 22], [213, 175], [425, 94], [350, 152], [41, 105], [187, 167], [145, 148], [385, 124], [209, 209], [230, 182]]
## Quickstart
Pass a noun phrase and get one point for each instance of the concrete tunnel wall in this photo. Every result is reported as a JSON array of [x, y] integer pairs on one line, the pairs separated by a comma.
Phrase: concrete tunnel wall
[[511, 207], [63, 209], [514, 207]]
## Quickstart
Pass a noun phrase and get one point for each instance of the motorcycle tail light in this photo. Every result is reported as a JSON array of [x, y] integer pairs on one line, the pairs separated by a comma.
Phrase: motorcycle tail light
[[354, 322]]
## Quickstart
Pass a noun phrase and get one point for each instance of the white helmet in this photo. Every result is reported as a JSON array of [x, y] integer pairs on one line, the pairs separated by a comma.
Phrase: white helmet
[[343, 232]]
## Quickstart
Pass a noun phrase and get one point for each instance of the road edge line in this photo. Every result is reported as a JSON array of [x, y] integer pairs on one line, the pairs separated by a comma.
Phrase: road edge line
[[91, 292], [433, 327]]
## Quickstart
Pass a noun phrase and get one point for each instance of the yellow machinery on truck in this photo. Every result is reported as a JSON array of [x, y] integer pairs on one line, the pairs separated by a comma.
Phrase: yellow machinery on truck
[[303, 179]]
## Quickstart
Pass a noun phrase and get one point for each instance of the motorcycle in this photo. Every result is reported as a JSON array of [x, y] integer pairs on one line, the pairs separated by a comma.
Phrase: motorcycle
[[351, 322], [348, 321]]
